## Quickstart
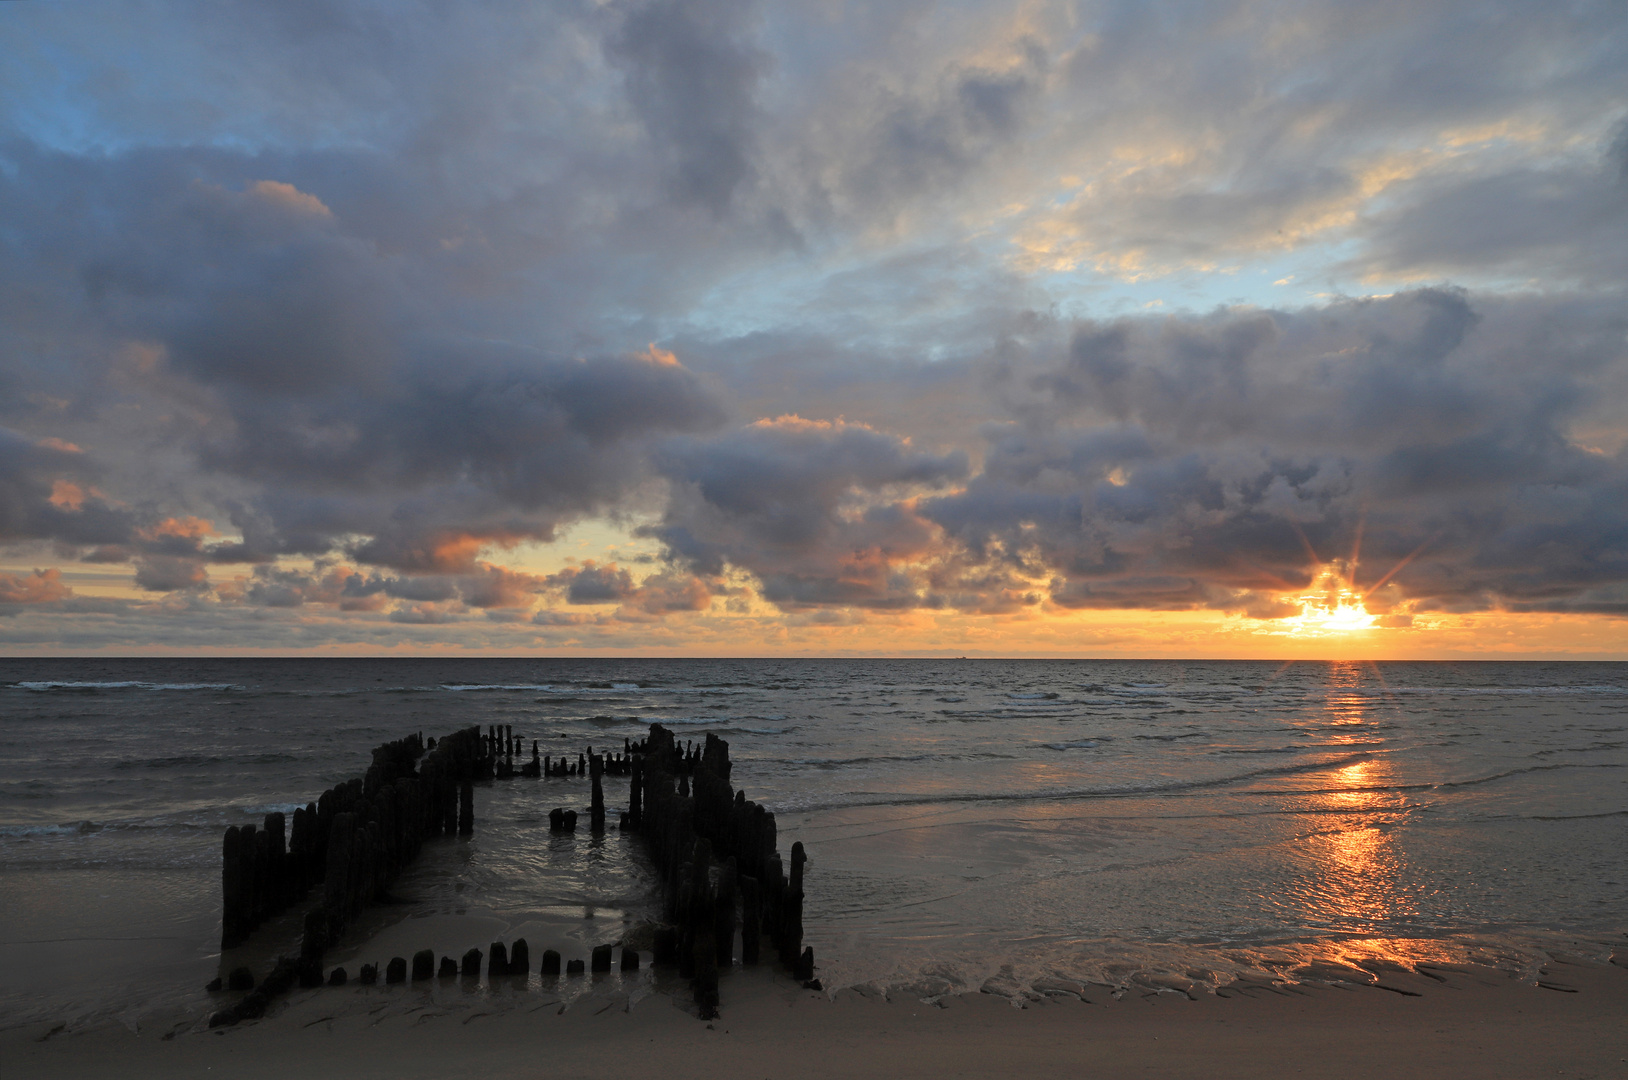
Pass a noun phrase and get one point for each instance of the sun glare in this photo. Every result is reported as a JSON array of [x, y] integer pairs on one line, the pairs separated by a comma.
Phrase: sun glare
[[1330, 608]]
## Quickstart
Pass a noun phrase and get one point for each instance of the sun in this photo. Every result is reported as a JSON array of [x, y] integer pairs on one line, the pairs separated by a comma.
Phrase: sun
[[1330, 608]]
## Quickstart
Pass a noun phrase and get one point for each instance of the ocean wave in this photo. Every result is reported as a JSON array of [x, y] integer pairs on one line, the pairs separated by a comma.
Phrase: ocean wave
[[1172, 788], [461, 688], [286, 809], [865, 759], [1078, 744], [177, 762], [1578, 817], [45, 686], [91, 827], [1532, 769]]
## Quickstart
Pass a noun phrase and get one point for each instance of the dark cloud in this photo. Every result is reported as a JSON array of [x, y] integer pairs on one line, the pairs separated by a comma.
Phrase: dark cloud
[[1572, 221], [296, 361], [659, 594], [691, 70], [359, 301], [167, 573], [819, 511], [591, 584], [485, 586], [47, 493], [1179, 462]]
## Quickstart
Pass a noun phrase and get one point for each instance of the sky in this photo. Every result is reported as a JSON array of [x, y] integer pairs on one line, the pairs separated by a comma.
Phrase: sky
[[716, 327]]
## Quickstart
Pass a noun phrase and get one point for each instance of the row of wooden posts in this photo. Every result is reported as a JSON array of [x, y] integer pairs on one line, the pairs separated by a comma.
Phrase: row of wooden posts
[[355, 838], [502, 962], [512, 747], [714, 850]]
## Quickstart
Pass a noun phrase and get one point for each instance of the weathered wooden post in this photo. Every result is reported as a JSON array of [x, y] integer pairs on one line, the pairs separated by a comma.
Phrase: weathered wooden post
[[276, 882], [635, 794], [497, 962], [751, 925], [232, 930], [798, 858], [471, 964], [423, 965], [666, 946], [723, 923], [315, 938], [337, 885], [602, 958], [519, 958], [551, 962], [596, 767], [466, 809]]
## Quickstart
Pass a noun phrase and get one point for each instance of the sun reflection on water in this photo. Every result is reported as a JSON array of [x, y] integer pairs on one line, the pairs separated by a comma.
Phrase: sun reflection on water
[[1356, 879]]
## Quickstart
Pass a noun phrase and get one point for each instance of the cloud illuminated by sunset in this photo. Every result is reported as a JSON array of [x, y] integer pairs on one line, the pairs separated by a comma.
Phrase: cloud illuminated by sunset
[[709, 326]]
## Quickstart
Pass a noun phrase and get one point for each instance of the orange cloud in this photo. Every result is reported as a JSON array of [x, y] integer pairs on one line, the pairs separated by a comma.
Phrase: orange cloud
[[793, 422], [40, 587], [67, 495], [289, 197], [457, 551], [187, 528], [496, 587]]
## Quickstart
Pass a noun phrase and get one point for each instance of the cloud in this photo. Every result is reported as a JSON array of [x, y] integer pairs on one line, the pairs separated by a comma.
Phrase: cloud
[[304, 366], [691, 70], [1178, 462], [1571, 220], [167, 573], [819, 511], [45, 494], [40, 587], [312, 316], [659, 594]]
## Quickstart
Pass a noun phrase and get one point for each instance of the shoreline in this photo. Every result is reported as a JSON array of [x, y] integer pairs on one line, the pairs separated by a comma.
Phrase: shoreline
[[1459, 1022]]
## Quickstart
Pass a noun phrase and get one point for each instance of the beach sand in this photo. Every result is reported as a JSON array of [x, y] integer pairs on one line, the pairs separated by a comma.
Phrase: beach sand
[[1462, 1023]]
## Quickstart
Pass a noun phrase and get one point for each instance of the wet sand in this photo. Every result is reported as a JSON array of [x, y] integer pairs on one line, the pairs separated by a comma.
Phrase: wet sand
[[1461, 1023]]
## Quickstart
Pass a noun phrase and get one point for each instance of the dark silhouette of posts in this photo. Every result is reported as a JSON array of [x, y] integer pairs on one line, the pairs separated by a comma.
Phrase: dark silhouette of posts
[[680, 800], [354, 840], [596, 770]]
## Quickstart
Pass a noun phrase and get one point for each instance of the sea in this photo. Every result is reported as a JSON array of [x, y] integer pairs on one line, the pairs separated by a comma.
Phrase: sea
[[1004, 826]]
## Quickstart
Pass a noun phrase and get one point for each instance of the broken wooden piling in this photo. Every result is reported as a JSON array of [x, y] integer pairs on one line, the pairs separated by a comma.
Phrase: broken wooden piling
[[698, 829]]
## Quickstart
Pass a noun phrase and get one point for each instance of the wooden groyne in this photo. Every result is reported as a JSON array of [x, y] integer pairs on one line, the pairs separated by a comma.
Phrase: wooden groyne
[[354, 840], [714, 851]]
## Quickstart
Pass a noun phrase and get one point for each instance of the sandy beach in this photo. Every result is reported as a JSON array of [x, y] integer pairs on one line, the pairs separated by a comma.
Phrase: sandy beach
[[1451, 1023]]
